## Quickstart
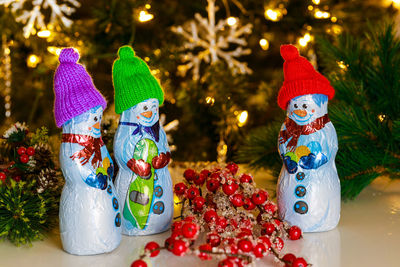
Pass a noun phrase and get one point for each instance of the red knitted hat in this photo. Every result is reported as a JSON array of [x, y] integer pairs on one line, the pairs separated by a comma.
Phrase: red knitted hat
[[300, 78]]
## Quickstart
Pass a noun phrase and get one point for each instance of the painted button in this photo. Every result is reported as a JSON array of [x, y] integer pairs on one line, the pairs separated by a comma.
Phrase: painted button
[[158, 207], [118, 220], [115, 203], [300, 176], [109, 189], [158, 191], [300, 191], [301, 207]]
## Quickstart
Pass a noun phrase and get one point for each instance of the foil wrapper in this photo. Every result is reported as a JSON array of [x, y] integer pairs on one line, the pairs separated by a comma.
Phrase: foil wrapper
[[143, 181], [308, 191], [90, 218]]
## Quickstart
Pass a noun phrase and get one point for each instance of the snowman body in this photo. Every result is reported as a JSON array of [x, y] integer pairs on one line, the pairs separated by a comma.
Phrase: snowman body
[[89, 209], [308, 189], [143, 181]]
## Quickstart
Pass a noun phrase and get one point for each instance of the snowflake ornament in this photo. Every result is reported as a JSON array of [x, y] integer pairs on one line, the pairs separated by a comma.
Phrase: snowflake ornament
[[209, 42], [34, 17]]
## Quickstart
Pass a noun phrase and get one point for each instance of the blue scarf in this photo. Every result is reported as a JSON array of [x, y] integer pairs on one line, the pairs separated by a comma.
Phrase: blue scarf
[[154, 130]]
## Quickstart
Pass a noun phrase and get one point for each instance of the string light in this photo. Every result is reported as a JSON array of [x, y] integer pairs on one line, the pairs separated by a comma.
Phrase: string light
[[210, 100], [147, 6], [54, 50], [264, 44], [321, 14], [32, 61], [273, 15], [382, 117], [317, 2], [334, 19], [231, 21], [144, 16], [44, 34], [7, 75], [342, 65], [305, 40], [242, 118]]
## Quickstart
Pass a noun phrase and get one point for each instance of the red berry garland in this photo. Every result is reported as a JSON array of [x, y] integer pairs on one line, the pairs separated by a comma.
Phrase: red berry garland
[[240, 221]]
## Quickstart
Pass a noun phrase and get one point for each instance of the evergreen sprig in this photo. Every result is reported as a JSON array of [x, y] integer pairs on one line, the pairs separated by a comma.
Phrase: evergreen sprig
[[366, 109]]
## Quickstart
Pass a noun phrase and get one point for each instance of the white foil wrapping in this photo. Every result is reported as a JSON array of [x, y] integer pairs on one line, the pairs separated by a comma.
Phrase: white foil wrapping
[[143, 181], [309, 188], [90, 219]]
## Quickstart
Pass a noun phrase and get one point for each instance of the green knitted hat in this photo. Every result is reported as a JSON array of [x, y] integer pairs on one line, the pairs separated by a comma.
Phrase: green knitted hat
[[132, 80]]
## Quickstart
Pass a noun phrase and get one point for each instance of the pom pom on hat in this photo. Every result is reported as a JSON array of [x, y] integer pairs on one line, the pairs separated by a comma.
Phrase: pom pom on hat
[[289, 52], [68, 55], [126, 52], [300, 78]]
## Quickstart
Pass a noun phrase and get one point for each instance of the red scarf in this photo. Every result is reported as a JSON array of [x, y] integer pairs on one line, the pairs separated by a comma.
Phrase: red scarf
[[295, 131], [91, 146]]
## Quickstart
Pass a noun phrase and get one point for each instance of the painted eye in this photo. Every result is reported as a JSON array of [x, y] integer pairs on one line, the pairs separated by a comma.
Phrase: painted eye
[[145, 108], [296, 106], [95, 118], [304, 106]]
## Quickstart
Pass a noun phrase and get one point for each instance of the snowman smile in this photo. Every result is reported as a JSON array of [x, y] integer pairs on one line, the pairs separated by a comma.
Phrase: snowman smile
[[300, 112]]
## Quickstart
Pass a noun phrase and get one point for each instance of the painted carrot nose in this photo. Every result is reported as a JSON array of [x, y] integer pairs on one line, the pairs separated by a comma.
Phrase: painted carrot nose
[[96, 125], [147, 114], [300, 112]]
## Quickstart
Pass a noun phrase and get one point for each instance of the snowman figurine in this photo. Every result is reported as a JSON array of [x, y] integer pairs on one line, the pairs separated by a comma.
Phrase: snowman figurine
[[90, 219], [308, 189], [141, 149]]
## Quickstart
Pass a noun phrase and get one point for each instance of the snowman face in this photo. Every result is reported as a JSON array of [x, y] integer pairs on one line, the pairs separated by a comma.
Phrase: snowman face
[[146, 112], [94, 121], [304, 109], [87, 123]]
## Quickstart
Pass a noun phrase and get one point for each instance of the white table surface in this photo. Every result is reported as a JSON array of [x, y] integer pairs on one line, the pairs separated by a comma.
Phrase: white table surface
[[368, 235]]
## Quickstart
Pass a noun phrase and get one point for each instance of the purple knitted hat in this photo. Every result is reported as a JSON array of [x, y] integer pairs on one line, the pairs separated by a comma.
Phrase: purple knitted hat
[[74, 90]]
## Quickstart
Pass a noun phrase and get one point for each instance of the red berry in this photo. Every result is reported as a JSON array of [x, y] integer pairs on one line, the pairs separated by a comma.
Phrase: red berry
[[24, 158], [265, 240], [279, 244], [17, 178], [268, 228], [139, 263], [234, 249], [299, 262], [259, 198], [212, 185], [21, 151], [237, 200], [192, 192], [189, 175], [232, 167], [225, 263], [30, 151], [204, 255], [199, 202], [201, 178], [152, 247], [176, 226], [259, 250], [245, 178], [245, 245], [3, 176], [277, 222], [288, 259], [270, 208], [230, 189], [221, 222], [248, 204], [213, 239], [190, 230], [179, 247], [210, 215], [168, 243], [294, 233], [205, 172], [180, 189]]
